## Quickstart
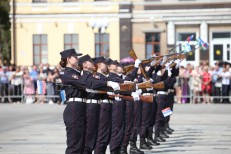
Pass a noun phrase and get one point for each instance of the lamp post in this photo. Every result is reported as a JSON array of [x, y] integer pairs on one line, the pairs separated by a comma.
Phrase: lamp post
[[100, 25]]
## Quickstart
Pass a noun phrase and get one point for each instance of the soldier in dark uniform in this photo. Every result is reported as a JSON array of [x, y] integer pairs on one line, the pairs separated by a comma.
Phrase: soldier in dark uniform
[[147, 115], [75, 111], [104, 126], [171, 92], [92, 100], [162, 104], [129, 112], [118, 110]]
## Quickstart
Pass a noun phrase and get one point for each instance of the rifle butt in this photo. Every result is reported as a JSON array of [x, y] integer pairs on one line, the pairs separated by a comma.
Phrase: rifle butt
[[159, 85], [147, 98]]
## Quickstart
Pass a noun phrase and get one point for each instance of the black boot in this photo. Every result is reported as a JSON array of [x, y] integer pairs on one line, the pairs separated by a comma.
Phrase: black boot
[[144, 145], [123, 150], [168, 127], [158, 138], [167, 130], [134, 149], [163, 134], [115, 152], [150, 140]]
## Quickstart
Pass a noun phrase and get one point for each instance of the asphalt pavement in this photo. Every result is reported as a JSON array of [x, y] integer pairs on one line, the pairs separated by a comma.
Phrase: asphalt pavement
[[39, 129]]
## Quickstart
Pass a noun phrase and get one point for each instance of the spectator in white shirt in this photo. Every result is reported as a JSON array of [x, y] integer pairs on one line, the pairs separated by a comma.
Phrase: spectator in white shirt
[[226, 75], [17, 81]]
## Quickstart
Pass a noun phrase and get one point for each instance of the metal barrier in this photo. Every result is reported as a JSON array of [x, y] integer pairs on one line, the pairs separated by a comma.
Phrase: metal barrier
[[14, 93]]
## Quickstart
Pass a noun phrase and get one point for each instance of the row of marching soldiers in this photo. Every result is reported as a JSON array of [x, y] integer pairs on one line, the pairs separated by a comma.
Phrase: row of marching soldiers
[[106, 106]]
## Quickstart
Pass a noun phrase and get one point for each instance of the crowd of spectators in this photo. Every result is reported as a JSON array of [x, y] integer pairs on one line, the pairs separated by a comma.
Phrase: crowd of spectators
[[201, 84], [204, 84], [18, 80]]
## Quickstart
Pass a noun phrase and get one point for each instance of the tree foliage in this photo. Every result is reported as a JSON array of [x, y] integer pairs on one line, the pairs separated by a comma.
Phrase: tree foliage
[[5, 45]]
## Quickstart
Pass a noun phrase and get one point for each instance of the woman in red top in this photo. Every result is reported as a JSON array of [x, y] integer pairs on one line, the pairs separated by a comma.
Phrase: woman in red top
[[206, 85]]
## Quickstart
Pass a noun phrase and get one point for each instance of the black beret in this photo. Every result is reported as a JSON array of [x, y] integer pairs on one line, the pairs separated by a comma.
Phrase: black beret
[[69, 53], [112, 62], [84, 59], [99, 60]]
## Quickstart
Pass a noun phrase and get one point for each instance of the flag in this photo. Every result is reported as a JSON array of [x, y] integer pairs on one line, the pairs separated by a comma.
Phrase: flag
[[202, 44], [186, 47], [41, 87], [63, 95], [167, 111], [190, 38]]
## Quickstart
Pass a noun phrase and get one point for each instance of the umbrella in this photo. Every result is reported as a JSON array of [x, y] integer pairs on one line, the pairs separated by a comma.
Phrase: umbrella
[[126, 60]]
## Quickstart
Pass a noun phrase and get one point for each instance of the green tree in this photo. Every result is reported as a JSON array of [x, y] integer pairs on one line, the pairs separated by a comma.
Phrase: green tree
[[5, 45]]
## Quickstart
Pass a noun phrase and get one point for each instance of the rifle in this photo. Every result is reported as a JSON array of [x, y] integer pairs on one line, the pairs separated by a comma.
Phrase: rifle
[[147, 98], [133, 55], [148, 84], [127, 86], [149, 60], [128, 68]]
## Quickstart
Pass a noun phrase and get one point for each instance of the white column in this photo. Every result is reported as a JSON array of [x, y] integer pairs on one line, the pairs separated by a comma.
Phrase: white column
[[204, 31], [171, 33]]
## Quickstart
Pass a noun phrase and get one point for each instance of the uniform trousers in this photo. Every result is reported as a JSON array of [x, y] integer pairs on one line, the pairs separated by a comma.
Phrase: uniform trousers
[[104, 128], [128, 122], [136, 120], [74, 117], [92, 121], [117, 132], [145, 119]]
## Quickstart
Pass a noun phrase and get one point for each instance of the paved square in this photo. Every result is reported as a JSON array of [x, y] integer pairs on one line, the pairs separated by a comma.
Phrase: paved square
[[39, 129]]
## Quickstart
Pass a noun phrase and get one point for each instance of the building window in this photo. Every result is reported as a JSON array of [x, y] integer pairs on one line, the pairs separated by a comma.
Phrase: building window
[[39, 1], [181, 38], [39, 49], [217, 35], [101, 44], [152, 44], [184, 36], [71, 41], [70, 0]]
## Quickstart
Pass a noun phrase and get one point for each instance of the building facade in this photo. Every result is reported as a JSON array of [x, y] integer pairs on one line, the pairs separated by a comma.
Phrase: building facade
[[110, 28]]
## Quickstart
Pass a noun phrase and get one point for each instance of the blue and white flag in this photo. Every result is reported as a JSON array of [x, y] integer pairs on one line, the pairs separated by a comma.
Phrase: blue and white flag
[[63, 95], [41, 87], [167, 111]]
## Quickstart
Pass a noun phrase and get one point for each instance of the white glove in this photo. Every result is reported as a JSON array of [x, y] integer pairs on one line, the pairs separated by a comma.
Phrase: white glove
[[139, 91], [167, 65], [177, 61], [127, 81], [151, 80], [137, 63], [149, 89], [165, 58], [144, 80], [114, 85], [153, 62], [110, 93], [169, 71], [135, 96], [153, 55], [117, 99], [91, 91]]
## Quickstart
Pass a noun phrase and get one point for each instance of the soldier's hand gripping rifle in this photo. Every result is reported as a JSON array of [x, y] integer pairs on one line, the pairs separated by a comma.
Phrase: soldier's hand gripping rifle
[[133, 55], [147, 98]]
